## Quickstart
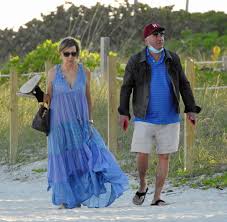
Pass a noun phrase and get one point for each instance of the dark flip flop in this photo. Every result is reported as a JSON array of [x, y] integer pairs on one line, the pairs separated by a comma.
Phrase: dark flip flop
[[139, 197], [159, 203]]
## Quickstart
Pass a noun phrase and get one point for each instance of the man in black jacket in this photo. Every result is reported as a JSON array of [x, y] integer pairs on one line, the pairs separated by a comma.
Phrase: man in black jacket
[[156, 78]]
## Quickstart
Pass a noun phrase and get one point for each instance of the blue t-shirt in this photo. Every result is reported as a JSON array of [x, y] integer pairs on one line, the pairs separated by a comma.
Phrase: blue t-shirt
[[161, 108]]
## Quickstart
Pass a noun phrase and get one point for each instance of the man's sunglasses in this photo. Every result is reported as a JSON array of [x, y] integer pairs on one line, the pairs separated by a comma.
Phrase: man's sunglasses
[[156, 33], [67, 54]]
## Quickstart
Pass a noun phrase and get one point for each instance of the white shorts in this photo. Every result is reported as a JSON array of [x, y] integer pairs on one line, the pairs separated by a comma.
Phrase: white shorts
[[164, 137]]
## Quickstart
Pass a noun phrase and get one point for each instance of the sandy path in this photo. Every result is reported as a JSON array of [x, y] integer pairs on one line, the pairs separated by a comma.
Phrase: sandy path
[[26, 199]]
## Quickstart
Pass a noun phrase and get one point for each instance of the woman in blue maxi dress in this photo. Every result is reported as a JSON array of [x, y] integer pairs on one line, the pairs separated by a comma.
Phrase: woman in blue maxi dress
[[81, 170]]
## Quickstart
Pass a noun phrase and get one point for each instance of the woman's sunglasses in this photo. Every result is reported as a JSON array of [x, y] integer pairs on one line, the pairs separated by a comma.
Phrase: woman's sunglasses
[[67, 54]]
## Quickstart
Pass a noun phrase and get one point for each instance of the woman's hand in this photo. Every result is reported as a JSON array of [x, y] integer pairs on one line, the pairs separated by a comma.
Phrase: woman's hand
[[46, 99]]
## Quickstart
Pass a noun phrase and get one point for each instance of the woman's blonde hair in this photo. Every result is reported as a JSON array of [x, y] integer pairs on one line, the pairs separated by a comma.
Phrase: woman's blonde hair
[[68, 42]]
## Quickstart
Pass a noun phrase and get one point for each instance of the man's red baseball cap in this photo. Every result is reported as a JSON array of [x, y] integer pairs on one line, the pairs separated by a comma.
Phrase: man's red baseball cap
[[150, 28]]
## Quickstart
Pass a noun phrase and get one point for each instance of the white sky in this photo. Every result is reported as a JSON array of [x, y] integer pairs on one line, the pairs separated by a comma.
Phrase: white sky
[[14, 13]]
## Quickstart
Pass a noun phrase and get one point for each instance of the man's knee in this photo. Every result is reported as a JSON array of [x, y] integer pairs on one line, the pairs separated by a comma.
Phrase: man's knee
[[142, 155], [164, 157]]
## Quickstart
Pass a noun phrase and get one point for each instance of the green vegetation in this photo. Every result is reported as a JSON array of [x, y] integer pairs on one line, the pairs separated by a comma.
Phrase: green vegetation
[[219, 182], [124, 25], [35, 60], [198, 45], [40, 170], [205, 181]]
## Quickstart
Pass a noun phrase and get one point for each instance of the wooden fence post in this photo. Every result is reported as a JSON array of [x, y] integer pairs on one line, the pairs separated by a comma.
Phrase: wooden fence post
[[112, 103], [104, 51], [224, 62], [48, 65], [189, 130], [13, 118]]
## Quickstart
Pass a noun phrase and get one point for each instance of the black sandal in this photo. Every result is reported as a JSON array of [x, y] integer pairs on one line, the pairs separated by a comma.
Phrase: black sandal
[[159, 203], [139, 197]]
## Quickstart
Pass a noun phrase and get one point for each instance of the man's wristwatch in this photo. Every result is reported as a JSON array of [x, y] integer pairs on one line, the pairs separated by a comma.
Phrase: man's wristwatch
[[91, 121]]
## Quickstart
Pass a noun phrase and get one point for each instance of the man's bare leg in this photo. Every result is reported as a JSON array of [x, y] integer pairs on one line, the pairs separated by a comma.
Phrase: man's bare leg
[[142, 165], [161, 174]]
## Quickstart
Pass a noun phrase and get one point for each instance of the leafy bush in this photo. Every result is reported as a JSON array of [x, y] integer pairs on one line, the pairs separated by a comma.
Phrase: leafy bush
[[47, 51], [198, 45]]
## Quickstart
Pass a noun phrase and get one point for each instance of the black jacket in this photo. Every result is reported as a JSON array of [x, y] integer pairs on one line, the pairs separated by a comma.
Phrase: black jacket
[[137, 80]]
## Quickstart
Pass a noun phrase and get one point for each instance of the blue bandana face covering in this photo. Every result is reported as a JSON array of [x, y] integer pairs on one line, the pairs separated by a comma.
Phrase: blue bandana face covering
[[156, 51]]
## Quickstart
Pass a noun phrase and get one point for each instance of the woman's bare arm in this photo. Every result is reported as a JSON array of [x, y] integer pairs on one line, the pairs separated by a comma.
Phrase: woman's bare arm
[[50, 78]]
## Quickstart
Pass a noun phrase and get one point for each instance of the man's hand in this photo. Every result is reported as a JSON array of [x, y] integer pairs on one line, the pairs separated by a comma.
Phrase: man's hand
[[123, 121], [191, 117]]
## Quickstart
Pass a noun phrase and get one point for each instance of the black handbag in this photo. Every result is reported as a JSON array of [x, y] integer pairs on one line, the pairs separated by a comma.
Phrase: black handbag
[[41, 121]]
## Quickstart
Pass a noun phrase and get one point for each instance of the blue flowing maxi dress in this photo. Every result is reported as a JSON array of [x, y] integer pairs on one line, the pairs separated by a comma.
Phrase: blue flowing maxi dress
[[81, 170]]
